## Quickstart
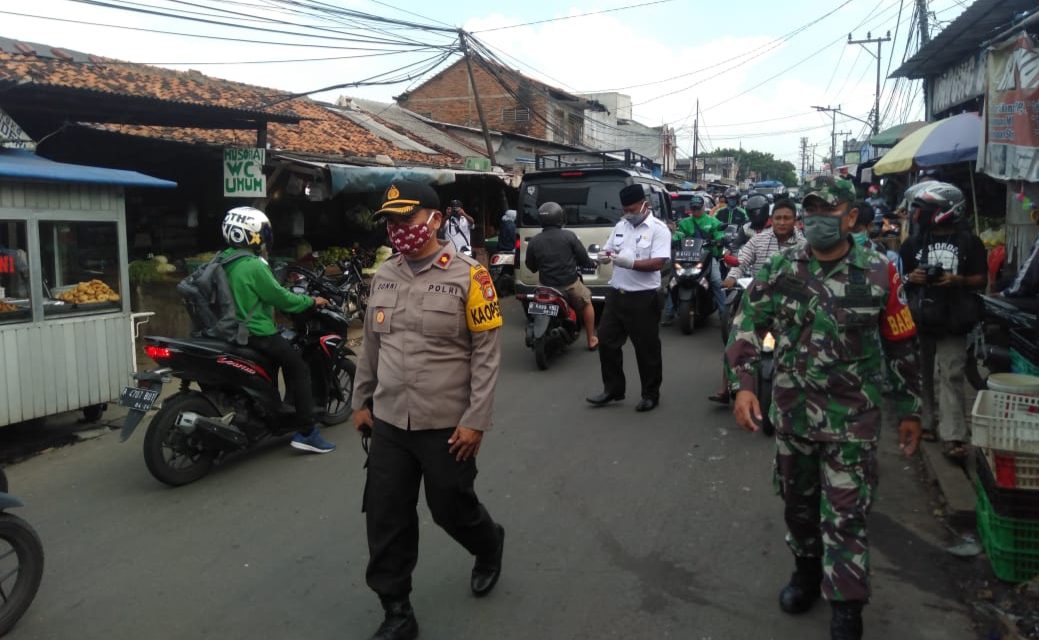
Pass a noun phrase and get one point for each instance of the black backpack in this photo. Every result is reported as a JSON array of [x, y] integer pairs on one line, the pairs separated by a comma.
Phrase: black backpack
[[210, 303]]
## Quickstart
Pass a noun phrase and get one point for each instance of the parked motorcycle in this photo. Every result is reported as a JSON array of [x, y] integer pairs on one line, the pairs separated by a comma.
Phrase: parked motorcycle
[[503, 272], [346, 275], [689, 287], [1006, 324], [551, 323], [21, 561], [237, 402]]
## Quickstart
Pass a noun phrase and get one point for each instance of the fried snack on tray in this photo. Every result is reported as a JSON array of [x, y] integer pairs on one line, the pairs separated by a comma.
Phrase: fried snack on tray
[[89, 292]]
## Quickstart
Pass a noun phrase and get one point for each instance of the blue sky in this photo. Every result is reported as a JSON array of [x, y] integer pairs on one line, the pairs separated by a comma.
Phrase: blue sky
[[755, 87]]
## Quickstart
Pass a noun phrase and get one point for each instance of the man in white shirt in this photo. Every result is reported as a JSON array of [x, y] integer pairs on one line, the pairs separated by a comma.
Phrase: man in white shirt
[[458, 226], [639, 247]]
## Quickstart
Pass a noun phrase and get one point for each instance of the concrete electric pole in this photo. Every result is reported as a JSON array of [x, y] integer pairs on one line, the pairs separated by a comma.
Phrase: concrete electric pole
[[879, 42], [833, 134]]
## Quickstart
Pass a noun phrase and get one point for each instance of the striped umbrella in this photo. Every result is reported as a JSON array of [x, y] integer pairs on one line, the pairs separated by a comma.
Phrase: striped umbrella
[[947, 141]]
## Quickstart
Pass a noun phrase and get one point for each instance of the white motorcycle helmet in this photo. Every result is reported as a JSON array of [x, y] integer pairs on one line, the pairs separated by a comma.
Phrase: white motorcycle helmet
[[247, 228]]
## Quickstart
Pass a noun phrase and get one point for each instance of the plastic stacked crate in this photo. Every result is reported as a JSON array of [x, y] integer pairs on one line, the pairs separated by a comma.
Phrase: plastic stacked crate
[[1005, 430]]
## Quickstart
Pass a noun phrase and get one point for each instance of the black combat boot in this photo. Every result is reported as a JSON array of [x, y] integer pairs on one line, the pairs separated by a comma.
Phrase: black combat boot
[[846, 621], [400, 623], [803, 589]]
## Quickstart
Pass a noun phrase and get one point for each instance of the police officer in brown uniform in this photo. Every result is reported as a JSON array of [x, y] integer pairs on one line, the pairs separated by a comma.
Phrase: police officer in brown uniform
[[425, 387]]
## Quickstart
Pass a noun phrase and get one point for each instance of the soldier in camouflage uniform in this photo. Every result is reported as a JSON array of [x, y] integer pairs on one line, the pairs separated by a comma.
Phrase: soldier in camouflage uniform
[[836, 311]]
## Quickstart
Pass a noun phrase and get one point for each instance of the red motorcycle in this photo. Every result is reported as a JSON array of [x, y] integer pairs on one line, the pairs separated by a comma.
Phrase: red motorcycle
[[551, 323]]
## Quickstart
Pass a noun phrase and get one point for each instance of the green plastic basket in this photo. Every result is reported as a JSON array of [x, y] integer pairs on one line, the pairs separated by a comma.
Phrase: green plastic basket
[[1012, 544]]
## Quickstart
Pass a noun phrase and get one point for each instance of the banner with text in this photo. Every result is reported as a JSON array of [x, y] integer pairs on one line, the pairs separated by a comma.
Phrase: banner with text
[[243, 173], [1010, 140], [12, 136]]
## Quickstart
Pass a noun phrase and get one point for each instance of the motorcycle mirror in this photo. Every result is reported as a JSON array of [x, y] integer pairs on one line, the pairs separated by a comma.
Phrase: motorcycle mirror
[[593, 248]]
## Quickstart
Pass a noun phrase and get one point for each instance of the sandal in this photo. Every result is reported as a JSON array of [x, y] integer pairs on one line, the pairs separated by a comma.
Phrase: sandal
[[955, 450], [593, 344]]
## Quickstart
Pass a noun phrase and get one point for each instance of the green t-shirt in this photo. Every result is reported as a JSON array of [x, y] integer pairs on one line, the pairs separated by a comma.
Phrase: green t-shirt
[[252, 282]]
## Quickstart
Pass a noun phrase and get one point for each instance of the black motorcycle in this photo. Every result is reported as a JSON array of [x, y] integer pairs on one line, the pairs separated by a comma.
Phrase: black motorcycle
[[1007, 329], [551, 323], [21, 561], [503, 272], [236, 402], [767, 365], [689, 287]]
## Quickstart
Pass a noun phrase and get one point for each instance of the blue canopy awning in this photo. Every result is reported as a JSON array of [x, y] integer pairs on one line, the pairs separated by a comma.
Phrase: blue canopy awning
[[21, 164]]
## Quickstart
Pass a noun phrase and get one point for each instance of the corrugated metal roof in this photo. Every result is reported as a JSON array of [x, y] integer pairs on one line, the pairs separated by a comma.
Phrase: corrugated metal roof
[[979, 23], [19, 164]]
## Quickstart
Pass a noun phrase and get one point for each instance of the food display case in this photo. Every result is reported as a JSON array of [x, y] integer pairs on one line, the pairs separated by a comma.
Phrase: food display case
[[65, 325]]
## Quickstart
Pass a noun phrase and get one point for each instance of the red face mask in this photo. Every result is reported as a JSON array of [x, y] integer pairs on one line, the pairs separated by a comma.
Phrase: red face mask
[[408, 239]]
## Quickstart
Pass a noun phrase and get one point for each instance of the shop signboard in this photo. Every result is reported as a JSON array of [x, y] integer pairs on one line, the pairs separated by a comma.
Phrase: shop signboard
[[243, 173], [958, 84], [12, 136], [1010, 142]]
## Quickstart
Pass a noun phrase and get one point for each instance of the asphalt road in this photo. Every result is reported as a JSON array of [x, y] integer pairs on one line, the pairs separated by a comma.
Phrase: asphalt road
[[620, 525]]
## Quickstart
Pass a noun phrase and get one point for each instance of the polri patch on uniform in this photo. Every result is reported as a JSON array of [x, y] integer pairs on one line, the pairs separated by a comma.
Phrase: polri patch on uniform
[[483, 279], [380, 316], [482, 308]]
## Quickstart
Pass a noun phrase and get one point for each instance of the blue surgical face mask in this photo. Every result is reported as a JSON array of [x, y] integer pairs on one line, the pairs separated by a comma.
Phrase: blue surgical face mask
[[635, 219]]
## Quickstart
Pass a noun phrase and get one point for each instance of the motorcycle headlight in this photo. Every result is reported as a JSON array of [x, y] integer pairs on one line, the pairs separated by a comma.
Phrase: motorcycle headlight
[[768, 343]]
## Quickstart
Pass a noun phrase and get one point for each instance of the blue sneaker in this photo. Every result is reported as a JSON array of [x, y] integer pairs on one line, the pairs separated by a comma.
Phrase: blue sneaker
[[312, 442]]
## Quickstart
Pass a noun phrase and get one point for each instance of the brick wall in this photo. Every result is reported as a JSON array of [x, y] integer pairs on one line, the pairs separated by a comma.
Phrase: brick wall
[[448, 97]]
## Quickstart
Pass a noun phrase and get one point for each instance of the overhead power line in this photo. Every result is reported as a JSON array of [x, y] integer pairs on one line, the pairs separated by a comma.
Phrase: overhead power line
[[579, 15]]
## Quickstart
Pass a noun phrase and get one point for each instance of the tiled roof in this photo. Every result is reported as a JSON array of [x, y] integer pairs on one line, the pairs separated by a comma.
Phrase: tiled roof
[[320, 131]]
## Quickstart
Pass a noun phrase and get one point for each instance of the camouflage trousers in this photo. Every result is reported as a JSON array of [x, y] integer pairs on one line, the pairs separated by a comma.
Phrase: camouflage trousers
[[828, 489]]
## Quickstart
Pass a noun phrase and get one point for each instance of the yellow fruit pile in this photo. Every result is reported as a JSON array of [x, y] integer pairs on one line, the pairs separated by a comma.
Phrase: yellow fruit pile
[[86, 292]]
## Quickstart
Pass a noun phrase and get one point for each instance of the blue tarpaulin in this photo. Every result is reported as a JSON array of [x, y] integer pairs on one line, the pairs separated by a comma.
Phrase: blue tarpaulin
[[20, 164]]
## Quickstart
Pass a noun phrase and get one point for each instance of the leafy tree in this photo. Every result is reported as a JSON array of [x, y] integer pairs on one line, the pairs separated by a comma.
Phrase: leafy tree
[[764, 165]]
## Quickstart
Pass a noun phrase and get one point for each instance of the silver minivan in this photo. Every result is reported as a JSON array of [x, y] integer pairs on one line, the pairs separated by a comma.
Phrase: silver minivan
[[590, 195]]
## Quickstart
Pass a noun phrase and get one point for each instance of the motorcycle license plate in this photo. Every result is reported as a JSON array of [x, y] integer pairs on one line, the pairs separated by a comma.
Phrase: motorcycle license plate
[[684, 255], [138, 399], [542, 309]]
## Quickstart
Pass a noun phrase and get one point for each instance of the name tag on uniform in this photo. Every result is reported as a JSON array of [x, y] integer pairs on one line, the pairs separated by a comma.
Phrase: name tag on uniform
[[440, 287]]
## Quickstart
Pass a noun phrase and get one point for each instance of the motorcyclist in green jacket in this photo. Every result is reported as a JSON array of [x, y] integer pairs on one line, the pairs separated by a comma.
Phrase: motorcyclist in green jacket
[[701, 225], [257, 294]]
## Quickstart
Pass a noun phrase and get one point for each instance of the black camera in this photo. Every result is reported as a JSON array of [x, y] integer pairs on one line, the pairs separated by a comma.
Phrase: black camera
[[934, 272]]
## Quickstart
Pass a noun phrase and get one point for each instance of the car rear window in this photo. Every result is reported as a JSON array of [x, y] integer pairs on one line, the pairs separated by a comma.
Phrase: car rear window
[[588, 203]]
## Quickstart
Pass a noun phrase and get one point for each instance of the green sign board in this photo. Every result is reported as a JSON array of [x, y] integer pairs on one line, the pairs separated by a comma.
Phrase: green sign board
[[243, 173]]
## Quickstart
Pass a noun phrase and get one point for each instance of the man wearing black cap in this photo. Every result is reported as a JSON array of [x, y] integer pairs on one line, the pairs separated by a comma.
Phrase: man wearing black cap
[[639, 247], [424, 388]]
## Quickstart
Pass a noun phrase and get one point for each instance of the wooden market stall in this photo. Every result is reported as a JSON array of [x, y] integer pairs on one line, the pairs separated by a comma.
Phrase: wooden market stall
[[65, 320]]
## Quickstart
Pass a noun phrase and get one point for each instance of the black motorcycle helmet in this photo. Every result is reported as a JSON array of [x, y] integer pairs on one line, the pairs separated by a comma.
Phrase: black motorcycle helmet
[[732, 197], [551, 214], [758, 210]]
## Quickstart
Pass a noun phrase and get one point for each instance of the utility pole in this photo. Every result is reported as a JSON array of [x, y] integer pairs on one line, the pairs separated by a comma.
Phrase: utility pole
[[879, 42], [811, 156], [476, 96], [844, 142], [696, 142], [833, 134], [925, 37], [804, 157]]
